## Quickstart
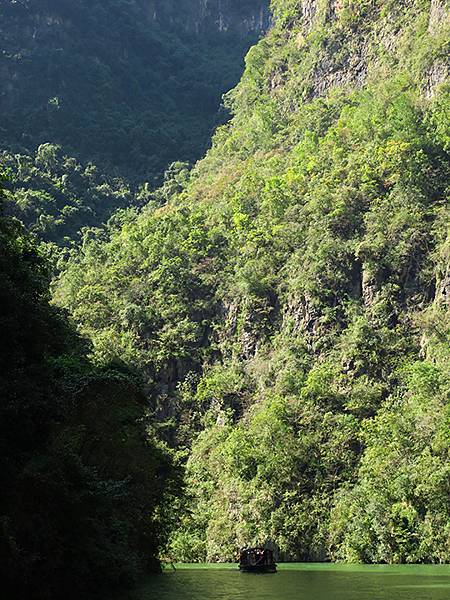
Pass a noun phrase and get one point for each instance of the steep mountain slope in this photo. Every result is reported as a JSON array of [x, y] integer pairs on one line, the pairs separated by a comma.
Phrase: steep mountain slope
[[289, 306], [131, 85]]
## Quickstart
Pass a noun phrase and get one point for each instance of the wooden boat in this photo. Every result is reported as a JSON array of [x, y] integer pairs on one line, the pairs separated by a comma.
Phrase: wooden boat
[[257, 560]]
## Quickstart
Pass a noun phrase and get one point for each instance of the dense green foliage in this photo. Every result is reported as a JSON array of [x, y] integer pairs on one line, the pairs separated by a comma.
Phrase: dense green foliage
[[131, 85], [56, 197], [85, 485], [288, 306]]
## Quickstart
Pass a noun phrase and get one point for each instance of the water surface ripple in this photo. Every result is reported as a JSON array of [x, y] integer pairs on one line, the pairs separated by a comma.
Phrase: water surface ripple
[[302, 582]]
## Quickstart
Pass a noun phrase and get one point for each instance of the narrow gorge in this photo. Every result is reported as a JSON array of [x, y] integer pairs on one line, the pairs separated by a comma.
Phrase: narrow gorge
[[249, 349]]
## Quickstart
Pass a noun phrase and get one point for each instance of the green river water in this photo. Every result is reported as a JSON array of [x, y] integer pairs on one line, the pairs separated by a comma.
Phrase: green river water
[[301, 582]]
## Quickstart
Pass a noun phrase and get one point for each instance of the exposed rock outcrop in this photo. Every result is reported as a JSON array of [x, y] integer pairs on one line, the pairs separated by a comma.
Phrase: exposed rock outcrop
[[439, 14], [199, 16]]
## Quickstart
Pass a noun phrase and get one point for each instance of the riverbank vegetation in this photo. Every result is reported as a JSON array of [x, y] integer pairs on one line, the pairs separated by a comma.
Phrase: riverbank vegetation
[[85, 482]]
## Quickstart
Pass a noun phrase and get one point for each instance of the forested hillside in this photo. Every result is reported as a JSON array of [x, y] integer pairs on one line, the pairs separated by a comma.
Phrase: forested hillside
[[288, 305]]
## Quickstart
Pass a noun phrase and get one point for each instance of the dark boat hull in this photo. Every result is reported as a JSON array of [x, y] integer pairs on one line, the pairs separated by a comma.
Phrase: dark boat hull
[[258, 568]]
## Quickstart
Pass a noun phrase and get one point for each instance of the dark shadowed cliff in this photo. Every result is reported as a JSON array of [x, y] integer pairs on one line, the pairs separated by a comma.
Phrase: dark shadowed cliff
[[129, 85]]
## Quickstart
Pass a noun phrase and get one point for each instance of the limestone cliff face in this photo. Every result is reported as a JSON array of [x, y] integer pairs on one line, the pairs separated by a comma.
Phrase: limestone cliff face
[[198, 16], [193, 16], [358, 37]]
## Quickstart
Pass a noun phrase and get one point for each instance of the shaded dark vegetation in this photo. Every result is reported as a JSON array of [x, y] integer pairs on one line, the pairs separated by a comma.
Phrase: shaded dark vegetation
[[130, 86], [89, 490], [57, 198], [85, 484]]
